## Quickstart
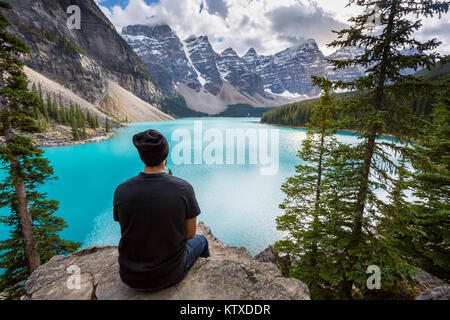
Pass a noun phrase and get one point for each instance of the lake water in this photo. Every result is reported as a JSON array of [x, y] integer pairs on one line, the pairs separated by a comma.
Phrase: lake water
[[237, 201]]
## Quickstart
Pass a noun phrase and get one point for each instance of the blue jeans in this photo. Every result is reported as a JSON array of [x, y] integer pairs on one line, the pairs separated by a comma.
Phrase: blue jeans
[[195, 248]]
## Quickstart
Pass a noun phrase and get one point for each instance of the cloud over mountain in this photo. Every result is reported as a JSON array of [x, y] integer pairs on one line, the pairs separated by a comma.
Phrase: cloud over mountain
[[267, 25]]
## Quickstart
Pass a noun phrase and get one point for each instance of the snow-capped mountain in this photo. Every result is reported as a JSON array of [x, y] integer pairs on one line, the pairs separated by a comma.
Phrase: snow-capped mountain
[[210, 81], [159, 46], [289, 71], [203, 58], [349, 73]]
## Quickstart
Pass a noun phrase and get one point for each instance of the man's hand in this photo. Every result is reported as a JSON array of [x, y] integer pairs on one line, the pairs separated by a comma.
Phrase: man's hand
[[191, 228]]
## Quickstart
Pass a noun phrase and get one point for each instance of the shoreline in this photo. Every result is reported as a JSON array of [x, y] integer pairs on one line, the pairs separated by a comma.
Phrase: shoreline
[[51, 143], [50, 140], [61, 136], [355, 132]]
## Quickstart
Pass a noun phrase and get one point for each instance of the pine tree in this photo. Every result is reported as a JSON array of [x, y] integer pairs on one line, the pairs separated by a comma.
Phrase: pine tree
[[107, 126], [33, 228], [306, 217], [382, 111], [431, 186]]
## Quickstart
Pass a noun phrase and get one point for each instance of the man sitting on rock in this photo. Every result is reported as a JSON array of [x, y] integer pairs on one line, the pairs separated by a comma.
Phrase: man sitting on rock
[[157, 216]]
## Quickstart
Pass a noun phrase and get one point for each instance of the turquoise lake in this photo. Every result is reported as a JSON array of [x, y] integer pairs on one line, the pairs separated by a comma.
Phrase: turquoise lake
[[237, 201]]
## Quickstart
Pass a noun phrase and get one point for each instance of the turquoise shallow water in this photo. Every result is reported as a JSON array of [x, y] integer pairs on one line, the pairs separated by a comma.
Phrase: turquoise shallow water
[[237, 201]]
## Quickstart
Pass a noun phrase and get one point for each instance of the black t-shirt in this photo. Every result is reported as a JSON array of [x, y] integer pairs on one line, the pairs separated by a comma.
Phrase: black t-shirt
[[152, 210]]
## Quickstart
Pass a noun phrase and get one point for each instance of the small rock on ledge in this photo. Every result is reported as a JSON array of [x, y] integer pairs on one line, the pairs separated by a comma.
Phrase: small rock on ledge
[[230, 273]]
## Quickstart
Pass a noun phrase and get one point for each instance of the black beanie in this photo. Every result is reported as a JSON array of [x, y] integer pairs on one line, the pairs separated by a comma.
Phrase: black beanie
[[152, 146]]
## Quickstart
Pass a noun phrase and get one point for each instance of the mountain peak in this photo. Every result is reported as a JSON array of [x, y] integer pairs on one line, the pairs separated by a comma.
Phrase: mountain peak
[[251, 52], [229, 52], [308, 43], [148, 30], [193, 38]]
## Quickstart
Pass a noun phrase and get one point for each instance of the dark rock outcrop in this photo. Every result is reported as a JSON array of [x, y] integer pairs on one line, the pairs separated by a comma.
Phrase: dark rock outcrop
[[159, 45], [204, 60], [431, 287], [283, 262], [436, 293], [83, 59]]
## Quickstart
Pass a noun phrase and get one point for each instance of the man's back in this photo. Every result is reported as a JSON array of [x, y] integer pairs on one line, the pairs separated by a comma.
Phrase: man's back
[[152, 210]]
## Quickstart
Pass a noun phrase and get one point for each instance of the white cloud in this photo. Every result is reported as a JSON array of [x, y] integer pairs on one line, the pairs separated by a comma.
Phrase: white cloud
[[267, 25]]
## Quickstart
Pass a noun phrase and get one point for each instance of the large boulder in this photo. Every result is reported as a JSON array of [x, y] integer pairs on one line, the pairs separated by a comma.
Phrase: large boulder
[[230, 273], [283, 262], [431, 287], [436, 293]]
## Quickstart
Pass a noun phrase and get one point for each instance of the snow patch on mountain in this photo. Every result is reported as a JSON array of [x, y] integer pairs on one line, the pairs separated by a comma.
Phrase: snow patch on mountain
[[199, 75], [289, 95]]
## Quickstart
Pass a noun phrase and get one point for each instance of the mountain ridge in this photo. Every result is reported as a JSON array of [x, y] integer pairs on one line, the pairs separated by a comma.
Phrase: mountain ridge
[[221, 79], [85, 61]]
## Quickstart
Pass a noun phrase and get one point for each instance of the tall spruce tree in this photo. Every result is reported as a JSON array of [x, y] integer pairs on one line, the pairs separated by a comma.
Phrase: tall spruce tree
[[33, 228], [107, 125], [306, 219], [389, 49], [432, 188]]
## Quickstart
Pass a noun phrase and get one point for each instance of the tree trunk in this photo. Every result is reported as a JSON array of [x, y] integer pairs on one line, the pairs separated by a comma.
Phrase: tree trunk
[[319, 169], [318, 194], [31, 252], [370, 145], [346, 286]]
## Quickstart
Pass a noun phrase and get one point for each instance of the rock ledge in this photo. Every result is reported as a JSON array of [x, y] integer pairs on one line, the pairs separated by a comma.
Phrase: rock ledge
[[231, 273]]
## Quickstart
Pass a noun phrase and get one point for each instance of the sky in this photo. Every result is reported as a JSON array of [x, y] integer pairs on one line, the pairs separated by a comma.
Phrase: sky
[[269, 26]]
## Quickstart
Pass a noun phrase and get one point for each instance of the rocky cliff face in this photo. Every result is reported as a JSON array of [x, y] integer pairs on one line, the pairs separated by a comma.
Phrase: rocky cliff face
[[233, 69], [290, 70], [207, 80], [204, 59], [160, 46], [231, 273], [81, 60], [226, 78]]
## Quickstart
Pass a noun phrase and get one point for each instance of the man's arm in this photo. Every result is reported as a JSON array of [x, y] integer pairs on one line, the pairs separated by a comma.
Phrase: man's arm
[[191, 228]]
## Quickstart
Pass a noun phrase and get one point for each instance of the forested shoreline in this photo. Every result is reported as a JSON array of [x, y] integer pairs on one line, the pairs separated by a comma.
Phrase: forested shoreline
[[298, 114], [339, 227]]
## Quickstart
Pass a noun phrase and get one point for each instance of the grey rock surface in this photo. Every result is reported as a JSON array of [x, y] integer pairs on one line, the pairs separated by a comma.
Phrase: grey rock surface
[[195, 63], [230, 273], [424, 279], [83, 59], [436, 293], [432, 288], [283, 262]]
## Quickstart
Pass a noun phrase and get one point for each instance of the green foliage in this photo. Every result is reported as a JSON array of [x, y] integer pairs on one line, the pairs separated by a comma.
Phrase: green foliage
[[306, 219], [46, 226], [107, 126], [53, 110], [350, 225], [243, 110], [25, 171], [432, 188], [176, 107], [297, 114], [68, 46]]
